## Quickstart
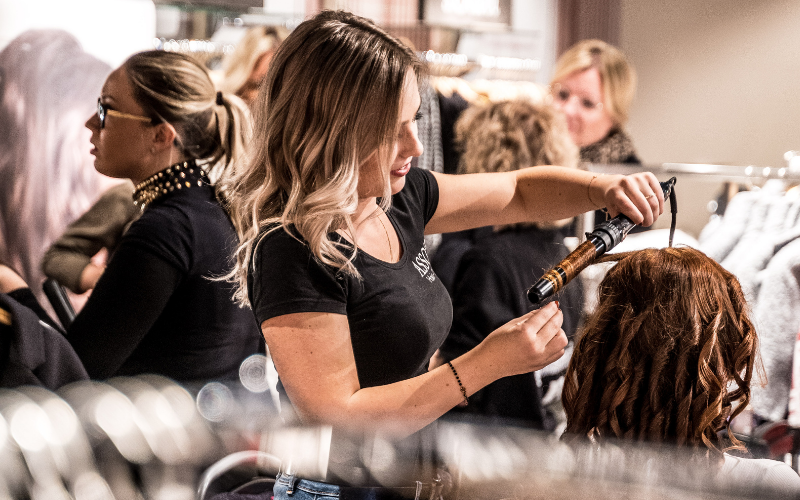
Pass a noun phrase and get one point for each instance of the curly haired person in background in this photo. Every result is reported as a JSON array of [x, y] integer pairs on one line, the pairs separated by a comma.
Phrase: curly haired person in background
[[502, 136], [488, 267], [668, 357]]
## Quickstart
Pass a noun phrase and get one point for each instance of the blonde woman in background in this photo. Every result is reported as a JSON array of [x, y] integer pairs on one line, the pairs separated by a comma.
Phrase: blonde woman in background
[[245, 68], [594, 85], [47, 86], [493, 266]]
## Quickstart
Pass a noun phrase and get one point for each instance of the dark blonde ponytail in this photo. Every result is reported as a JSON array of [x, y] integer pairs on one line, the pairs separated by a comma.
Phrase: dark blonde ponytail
[[213, 127]]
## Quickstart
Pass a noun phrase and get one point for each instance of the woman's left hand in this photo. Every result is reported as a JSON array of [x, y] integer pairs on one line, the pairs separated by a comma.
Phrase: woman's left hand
[[638, 196]]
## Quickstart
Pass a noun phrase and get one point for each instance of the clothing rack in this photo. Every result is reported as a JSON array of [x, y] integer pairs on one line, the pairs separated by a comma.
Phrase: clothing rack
[[729, 173], [749, 174], [494, 67]]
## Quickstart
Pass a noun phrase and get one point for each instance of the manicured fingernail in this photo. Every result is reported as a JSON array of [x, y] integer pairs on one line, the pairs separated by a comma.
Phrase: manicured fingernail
[[558, 305]]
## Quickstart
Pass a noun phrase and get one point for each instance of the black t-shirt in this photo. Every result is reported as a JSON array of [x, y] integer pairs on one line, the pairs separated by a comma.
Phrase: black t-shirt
[[156, 308], [398, 313]]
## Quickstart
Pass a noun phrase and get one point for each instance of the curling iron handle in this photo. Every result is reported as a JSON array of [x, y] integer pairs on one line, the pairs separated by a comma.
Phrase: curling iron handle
[[555, 279], [605, 236]]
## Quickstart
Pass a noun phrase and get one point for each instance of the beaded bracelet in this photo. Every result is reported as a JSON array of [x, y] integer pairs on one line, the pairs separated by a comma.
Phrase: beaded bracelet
[[460, 385]]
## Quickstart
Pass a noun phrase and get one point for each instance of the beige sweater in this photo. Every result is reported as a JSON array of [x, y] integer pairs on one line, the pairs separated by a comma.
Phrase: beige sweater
[[100, 227]]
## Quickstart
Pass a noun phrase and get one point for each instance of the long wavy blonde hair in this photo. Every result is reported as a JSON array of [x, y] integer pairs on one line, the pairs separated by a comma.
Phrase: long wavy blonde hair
[[668, 356], [331, 100]]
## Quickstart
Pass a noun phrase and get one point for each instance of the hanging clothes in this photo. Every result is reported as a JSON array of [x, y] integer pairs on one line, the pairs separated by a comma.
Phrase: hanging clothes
[[758, 241], [777, 318], [719, 237]]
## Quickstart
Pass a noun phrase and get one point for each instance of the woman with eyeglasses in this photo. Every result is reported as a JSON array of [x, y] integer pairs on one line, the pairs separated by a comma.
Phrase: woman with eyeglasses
[[78, 257], [593, 86], [158, 308]]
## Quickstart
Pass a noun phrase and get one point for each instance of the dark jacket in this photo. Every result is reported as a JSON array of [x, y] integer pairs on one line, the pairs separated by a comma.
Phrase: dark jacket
[[33, 352]]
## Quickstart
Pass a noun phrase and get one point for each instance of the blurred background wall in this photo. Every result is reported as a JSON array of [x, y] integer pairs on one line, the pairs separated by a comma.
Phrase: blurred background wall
[[716, 77], [111, 30]]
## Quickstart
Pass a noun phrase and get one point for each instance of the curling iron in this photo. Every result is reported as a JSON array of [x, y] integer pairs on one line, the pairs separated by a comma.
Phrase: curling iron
[[605, 236]]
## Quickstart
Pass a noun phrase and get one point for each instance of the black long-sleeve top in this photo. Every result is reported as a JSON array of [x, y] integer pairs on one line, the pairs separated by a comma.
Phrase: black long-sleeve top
[[157, 308]]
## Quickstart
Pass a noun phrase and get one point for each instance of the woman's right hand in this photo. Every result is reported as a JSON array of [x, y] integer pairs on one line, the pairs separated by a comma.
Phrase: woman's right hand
[[92, 272], [527, 343]]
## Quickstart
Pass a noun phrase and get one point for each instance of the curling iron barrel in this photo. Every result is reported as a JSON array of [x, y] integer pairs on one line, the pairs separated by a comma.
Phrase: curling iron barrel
[[605, 236]]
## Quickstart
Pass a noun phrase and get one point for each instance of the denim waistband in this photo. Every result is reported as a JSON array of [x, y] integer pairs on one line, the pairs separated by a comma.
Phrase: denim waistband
[[420, 491], [313, 487]]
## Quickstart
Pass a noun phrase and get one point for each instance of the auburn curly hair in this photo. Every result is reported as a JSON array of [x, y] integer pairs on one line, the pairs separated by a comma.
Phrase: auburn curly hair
[[667, 356]]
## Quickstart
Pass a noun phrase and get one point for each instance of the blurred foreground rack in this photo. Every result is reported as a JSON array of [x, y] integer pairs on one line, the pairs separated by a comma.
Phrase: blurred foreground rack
[[149, 438]]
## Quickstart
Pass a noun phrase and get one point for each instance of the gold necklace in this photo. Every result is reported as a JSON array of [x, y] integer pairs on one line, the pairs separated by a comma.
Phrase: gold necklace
[[385, 231], [388, 240]]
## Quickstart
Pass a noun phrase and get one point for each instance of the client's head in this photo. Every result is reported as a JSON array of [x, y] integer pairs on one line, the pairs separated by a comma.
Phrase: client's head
[[667, 356]]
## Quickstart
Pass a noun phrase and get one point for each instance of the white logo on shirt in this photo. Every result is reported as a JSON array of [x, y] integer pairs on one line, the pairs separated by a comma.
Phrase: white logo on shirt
[[423, 264]]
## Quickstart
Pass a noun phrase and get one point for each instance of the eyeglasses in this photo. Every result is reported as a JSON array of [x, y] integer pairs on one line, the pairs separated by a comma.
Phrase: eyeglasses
[[103, 111], [562, 95]]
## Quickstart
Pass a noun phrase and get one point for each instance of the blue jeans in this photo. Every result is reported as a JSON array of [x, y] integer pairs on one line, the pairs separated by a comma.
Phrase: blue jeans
[[288, 487]]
